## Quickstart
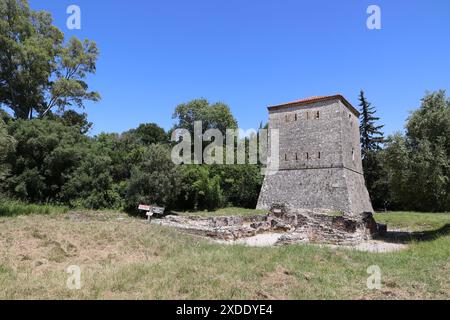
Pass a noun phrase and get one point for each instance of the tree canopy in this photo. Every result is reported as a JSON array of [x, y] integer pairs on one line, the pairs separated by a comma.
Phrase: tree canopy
[[38, 71], [213, 116], [7, 144], [148, 134], [418, 163]]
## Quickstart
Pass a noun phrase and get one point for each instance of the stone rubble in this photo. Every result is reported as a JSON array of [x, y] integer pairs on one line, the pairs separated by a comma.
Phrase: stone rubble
[[293, 226]]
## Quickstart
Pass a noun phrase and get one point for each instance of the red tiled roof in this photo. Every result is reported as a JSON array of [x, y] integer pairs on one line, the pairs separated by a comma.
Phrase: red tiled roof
[[314, 99]]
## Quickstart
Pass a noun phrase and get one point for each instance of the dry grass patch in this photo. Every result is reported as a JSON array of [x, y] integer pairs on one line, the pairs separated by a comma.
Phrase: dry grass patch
[[127, 258]]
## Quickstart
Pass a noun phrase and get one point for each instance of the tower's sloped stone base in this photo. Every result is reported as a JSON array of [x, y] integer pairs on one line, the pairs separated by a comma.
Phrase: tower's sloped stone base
[[319, 190]]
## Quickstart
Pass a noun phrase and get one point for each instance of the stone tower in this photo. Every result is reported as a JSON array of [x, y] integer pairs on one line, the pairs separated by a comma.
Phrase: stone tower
[[320, 165]]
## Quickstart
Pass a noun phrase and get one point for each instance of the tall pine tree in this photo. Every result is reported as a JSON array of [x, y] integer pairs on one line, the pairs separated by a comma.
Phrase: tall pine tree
[[371, 142], [371, 136]]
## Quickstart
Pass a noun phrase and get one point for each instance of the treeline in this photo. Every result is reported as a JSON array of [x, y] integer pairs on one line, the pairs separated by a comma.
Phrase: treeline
[[52, 160], [411, 170]]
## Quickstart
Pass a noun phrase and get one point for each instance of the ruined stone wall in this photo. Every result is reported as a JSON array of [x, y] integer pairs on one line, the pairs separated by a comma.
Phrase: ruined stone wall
[[291, 227]]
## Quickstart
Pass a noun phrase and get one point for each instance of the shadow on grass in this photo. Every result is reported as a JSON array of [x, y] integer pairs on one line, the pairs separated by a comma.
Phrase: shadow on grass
[[417, 236]]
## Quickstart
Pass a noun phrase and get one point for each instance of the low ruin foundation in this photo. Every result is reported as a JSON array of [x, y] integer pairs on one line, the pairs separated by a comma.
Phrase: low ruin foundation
[[294, 226]]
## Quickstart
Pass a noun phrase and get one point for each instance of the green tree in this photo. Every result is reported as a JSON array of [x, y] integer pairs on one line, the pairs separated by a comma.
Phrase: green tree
[[213, 116], [428, 135], [431, 121], [371, 136], [148, 133], [418, 164], [156, 180], [124, 152], [74, 62], [72, 118], [241, 184], [5, 116], [38, 72], [46, 154], [91, 184], [397, 165], [371, 140], [213, 186], [200, 189], [7, 145], [101, 178]]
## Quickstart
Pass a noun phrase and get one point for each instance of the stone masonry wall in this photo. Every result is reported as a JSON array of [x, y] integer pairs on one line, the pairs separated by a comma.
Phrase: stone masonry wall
[[303, 136], [320, 160], [359, 199], [314, 189]]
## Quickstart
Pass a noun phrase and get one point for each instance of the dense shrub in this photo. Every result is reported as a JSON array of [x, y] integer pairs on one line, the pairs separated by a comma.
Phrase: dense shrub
[[91, 184], [241, 184], [200, 190], [55, 162], [47, 152], [156, 180], [210, 187], [7, 145]]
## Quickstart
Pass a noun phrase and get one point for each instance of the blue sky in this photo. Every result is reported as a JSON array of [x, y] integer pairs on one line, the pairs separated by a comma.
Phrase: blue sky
[[251, 54]]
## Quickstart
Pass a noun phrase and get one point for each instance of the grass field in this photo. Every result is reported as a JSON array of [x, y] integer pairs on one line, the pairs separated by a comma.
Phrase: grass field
[[15, 208], [126, 258]]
